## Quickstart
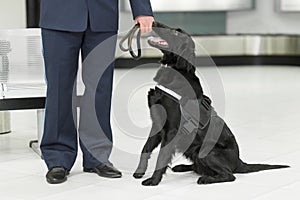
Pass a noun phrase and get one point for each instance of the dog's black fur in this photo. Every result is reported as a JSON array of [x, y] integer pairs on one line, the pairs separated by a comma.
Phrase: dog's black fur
[[223, 160]]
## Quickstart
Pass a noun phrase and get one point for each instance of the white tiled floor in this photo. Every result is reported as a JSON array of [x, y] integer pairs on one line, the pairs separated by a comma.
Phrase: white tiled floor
[[261, 107]]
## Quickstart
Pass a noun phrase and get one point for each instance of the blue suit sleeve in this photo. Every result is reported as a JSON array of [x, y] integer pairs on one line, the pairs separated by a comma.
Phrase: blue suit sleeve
[[141, 7]]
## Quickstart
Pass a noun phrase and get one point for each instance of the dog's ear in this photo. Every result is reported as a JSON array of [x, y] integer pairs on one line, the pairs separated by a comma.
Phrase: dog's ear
[[182, 31]]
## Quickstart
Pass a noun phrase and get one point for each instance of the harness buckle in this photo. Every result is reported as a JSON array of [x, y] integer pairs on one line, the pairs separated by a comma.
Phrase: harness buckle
[[189, 126]]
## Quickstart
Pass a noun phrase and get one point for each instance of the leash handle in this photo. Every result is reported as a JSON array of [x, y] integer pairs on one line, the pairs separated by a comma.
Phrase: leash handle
[[129, 36]]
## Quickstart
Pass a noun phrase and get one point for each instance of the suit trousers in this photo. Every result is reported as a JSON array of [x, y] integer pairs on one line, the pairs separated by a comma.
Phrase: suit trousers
[[59, 144]]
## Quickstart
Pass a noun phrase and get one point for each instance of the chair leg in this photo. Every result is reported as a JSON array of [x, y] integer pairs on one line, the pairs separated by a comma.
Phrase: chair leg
[[35, 144]]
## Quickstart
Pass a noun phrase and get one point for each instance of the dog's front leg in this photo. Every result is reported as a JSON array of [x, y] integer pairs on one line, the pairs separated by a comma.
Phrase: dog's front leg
[[152, 142], [164, 158], [158, 117]]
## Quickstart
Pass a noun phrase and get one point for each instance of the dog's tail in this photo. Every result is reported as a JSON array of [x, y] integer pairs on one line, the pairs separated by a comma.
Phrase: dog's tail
[[248, 168]]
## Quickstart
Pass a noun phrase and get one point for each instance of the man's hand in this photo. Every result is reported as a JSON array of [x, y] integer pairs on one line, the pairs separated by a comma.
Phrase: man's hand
[[145, 23]]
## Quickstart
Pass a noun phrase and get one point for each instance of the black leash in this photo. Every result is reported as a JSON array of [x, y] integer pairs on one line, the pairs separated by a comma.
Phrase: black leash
[[129, 36]]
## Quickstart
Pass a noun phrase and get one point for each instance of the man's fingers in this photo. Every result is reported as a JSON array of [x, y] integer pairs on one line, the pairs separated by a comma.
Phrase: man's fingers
[[145, 23], [145, 28]]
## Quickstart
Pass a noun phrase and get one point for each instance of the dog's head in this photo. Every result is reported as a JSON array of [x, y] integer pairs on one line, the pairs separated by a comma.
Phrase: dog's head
[[177, 46]]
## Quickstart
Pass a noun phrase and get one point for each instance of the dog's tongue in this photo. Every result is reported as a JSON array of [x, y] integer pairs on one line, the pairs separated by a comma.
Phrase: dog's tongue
[[158, 40]]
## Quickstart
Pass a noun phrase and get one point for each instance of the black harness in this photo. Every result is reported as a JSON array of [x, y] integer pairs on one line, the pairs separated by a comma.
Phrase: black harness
[[196, 113]]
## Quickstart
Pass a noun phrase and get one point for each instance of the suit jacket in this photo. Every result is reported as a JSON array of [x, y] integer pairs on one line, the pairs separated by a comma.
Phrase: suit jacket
[[73, 15]]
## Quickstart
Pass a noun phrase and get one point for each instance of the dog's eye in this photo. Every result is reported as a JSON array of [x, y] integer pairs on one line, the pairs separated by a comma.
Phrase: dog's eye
[[175, 32]]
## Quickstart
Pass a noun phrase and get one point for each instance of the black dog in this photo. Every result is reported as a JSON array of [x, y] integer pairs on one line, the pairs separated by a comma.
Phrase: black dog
[[210, 145]]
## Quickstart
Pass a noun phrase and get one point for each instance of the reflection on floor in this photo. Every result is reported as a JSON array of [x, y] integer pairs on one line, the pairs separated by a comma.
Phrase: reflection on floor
[[260, 104]]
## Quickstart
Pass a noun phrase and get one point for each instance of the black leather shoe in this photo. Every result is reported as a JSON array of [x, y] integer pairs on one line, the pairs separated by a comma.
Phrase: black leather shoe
[[57, 175], [105, 170]]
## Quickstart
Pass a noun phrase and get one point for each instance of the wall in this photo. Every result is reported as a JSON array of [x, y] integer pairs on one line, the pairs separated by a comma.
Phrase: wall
[[195, 22], [12, 14], [192, 22], [264, 19]]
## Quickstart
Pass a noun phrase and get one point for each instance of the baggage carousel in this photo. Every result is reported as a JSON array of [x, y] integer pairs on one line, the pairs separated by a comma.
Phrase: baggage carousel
[[231, 49]]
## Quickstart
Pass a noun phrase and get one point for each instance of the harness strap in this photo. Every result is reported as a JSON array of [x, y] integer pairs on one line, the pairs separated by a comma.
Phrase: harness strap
[[170, 92], [196, 113]]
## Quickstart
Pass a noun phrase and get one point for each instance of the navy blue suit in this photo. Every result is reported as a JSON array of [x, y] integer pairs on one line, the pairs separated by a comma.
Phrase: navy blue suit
[[70, 26], [72, 15]]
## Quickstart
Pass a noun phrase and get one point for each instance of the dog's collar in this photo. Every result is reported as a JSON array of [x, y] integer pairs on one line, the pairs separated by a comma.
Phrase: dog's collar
[[170, 92]]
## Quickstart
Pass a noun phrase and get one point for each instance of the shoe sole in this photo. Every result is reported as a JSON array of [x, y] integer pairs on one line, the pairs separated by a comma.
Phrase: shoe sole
[[56, 181], [105, 176]]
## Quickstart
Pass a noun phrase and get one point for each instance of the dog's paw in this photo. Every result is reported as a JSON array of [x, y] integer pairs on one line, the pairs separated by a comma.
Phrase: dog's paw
[[153, 96], [151, 92], [138, 175], [182, 168], [151, 181], [205, 180], [219, 179], [178, 168]]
